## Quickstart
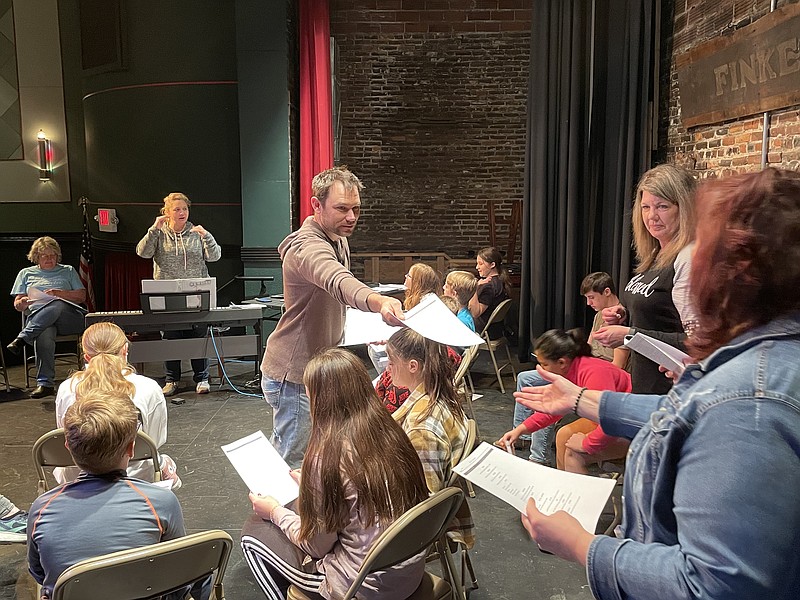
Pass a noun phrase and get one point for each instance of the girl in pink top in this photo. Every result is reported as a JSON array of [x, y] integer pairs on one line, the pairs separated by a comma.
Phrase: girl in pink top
[[583, 442]]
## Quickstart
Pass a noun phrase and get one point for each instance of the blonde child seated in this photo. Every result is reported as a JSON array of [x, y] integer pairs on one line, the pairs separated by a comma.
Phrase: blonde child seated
[[461, 286], [105, 350]]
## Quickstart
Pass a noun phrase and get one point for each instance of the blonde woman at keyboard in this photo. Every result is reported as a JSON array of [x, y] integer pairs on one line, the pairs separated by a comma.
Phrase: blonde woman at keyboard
[[180, 250]]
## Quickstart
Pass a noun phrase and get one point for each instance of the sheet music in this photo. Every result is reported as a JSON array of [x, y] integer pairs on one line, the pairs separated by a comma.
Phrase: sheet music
[[514, 480], [38, 298], [659, 352], [365, 327], [261, 467], [430, 318]]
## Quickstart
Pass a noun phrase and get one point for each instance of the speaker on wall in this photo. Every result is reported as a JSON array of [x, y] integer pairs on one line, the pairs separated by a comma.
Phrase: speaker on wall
[[102, 35]]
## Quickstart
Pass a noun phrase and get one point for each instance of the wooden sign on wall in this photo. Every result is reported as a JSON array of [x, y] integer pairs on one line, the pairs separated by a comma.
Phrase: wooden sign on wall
[[754, 70]]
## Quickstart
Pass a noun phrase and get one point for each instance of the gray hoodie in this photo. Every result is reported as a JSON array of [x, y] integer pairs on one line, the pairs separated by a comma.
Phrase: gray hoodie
[[317, 286], [180, 255]]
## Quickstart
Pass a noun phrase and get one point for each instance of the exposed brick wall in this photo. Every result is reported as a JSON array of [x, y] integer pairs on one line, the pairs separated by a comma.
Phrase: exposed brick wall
[[433, 115], [733, 146]]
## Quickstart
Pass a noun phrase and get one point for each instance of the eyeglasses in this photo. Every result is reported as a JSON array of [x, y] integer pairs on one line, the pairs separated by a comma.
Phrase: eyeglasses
[[48, 256]]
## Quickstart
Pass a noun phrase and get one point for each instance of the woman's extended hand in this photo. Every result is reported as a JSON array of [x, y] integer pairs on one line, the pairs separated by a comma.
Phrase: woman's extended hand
[[612, 336], [555, 399], [199, 229], [559, 533], [263, 505], [160, 220]]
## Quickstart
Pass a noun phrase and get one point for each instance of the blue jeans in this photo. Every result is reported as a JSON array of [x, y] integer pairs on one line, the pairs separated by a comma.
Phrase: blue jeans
[[41, 329], [291, 418], [199, 365], [541, 440]]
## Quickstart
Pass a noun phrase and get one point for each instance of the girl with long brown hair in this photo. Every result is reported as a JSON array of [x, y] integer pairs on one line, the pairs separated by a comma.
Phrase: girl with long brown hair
[[432, 416], [360, 474], [105, 349]]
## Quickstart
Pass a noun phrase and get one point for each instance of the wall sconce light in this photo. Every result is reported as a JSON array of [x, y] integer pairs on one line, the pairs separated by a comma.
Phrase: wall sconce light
[[45, 157]]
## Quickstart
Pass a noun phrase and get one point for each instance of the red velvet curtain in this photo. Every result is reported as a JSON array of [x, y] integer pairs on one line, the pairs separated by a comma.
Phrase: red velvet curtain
[[316, 128], [123, 275]]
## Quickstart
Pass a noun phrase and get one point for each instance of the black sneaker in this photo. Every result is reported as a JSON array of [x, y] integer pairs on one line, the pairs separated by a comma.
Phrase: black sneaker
[[16, 346]]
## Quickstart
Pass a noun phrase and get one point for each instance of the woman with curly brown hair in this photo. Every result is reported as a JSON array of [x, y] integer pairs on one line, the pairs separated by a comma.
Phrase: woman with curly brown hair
[[710, 499]]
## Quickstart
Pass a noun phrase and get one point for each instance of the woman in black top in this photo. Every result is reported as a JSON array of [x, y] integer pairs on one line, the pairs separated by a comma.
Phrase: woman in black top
[[657, 296]]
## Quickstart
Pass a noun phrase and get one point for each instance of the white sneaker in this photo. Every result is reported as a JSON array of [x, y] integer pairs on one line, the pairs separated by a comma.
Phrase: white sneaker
[[170, 388], [203, 387]]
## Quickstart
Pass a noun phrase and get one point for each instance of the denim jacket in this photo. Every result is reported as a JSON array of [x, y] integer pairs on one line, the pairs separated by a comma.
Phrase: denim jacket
[[713, 474]]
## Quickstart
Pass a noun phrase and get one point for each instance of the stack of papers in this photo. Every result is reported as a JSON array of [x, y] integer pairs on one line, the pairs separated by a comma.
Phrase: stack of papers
[[37, 299], [388, 288], [659, 352]]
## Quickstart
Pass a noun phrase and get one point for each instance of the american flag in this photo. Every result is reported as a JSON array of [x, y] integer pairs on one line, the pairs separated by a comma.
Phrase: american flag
[[86, 269]]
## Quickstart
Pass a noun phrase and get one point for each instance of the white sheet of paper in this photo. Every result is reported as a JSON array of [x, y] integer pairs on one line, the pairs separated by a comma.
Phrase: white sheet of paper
[[433, 320], [514, 480], [261, 467], [364, 328], [430, 318], [39, 299], [659, 352]]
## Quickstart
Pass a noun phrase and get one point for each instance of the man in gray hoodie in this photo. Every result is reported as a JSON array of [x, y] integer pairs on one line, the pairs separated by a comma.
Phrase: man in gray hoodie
[[317, 287]]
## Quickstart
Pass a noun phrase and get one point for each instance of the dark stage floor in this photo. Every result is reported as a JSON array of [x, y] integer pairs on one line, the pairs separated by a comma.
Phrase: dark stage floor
[[507, 563]]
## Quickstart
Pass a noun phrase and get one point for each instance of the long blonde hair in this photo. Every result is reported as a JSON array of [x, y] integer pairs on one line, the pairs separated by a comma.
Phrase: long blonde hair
[[104, 345], [675, 185]]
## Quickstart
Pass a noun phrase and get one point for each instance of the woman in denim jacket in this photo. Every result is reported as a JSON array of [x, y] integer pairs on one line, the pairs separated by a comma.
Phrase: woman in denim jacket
[[710, 496]]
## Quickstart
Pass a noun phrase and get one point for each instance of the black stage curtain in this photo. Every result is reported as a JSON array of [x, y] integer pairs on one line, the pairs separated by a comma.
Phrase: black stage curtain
[[589, 102]]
